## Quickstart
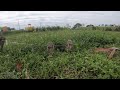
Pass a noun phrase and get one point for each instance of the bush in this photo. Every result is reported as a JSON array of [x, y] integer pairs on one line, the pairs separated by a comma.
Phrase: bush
[[113, 28], [52, 28], [108, 29], [117, 28], [94, 28]]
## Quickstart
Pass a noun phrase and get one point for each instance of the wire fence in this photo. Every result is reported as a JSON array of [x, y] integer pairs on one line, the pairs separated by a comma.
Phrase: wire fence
[[50, 46]]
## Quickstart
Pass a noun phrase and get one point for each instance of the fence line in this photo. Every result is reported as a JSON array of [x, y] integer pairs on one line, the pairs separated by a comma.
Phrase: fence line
[[7, 42]]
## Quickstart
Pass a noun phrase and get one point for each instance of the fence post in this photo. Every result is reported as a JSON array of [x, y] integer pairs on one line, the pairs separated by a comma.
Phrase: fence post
[[69, 45], [50, 48]]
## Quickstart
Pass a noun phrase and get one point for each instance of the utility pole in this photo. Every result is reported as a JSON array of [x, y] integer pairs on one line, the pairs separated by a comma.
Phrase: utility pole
[[40, 24], [18, 25]]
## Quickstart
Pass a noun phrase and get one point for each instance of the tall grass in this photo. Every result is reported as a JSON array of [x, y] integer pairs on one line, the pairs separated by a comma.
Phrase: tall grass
[[80, 64]]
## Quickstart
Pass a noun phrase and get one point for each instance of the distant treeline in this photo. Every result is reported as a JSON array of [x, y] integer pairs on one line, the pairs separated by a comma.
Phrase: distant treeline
[[104, 27]]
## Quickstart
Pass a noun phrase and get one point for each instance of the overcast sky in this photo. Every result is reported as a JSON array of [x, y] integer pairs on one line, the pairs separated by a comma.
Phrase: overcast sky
[[36, 18]]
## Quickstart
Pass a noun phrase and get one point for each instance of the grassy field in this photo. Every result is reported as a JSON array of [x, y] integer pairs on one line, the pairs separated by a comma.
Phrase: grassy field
[[30, 49]]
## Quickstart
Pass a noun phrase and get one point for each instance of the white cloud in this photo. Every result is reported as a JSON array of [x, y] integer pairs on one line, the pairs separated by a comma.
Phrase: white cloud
[[10, 18]]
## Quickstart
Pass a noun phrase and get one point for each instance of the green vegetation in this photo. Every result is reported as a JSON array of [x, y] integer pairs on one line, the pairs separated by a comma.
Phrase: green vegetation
[[82, 63]]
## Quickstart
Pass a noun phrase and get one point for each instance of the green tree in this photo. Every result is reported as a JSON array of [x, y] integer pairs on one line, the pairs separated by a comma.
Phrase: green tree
[[90, 25], [77, 25]]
